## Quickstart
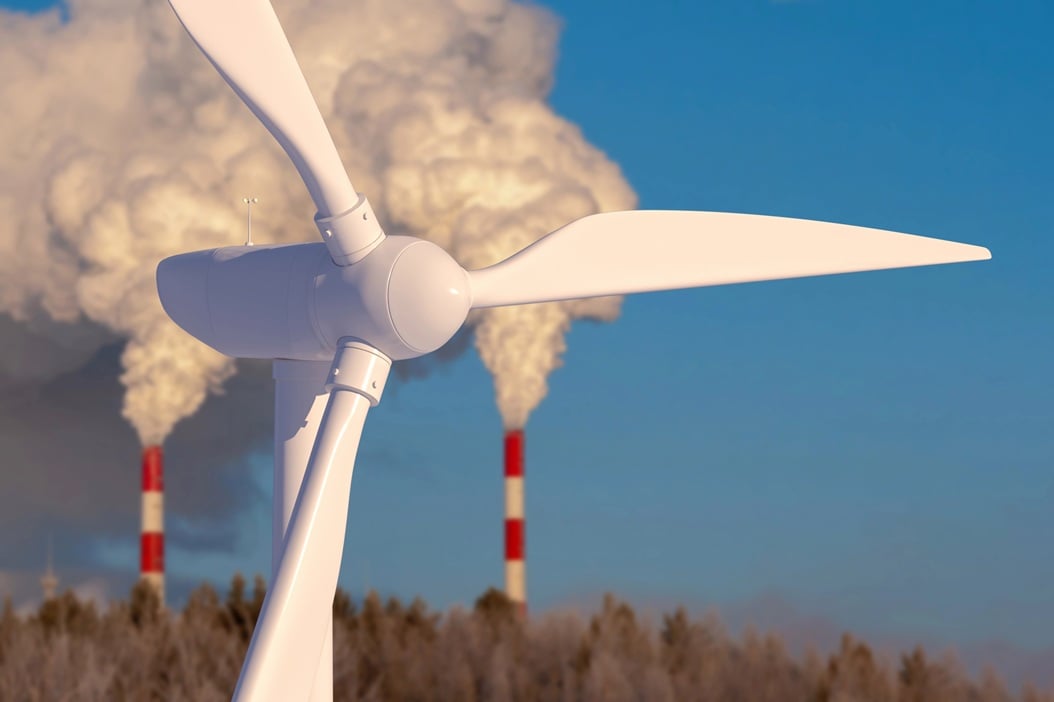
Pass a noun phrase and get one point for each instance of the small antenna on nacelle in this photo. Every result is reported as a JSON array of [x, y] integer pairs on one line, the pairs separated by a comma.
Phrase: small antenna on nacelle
[[249, 202]]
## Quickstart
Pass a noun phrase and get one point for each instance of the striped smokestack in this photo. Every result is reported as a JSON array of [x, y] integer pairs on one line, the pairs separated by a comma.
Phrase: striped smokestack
[[515, 554], [152, 536]]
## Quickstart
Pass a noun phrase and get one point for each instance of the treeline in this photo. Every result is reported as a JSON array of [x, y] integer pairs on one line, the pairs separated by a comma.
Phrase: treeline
[[134, 652]]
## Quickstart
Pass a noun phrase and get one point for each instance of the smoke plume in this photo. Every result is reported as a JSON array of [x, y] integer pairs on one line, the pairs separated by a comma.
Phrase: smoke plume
[[123, 146], [120, 145], [466, 153]]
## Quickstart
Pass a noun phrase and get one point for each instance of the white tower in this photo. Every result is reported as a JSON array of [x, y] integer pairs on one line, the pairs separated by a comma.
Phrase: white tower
[[49, 583]]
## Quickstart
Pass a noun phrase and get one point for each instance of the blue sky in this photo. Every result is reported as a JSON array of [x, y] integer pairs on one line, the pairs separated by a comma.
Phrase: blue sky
[[876, 446], [876, 449]]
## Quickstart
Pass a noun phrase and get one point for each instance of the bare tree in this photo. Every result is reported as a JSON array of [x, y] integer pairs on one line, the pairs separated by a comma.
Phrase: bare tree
[[387, 651]]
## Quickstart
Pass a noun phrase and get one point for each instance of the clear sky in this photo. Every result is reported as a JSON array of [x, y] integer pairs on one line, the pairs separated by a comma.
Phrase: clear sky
[[874, 449]]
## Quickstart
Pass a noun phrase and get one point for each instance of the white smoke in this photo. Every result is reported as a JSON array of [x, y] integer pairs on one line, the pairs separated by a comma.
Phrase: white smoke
[[121, 145]]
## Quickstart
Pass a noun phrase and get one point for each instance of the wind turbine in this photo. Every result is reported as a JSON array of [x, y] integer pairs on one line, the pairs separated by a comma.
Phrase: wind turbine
[[334, 315]]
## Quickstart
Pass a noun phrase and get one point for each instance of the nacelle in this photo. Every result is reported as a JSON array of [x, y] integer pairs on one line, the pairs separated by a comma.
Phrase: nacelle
[[406, 298]]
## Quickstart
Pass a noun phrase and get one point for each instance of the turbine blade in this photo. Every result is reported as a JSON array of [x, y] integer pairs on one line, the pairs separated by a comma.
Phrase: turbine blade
[[284, 652], [245, 42], [626, 252]]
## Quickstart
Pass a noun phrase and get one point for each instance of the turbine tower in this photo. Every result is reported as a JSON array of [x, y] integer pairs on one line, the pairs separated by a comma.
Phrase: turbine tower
[[333, 316]]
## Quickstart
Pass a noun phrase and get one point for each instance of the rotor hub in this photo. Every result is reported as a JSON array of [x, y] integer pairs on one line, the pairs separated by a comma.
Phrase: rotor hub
[[428, 296]]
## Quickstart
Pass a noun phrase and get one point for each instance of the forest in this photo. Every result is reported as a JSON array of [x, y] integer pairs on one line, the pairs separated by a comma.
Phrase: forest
[[388, 650]]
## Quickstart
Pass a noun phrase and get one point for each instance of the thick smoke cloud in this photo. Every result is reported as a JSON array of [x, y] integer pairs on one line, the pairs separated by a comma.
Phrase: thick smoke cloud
[[123, 146], [467, 154], [120, 145]]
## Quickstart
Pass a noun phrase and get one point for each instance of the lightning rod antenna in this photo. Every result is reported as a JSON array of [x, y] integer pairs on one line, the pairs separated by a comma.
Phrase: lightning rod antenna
[[249, 202]]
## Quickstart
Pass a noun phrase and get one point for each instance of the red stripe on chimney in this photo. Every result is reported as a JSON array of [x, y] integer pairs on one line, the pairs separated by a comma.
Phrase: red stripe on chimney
[[514, 540], [514, 453], [152, 553], [153, 472]]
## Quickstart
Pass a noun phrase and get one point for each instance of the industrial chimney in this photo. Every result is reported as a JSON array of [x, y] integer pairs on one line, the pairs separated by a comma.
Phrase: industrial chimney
[[152, 537], [515, 563]]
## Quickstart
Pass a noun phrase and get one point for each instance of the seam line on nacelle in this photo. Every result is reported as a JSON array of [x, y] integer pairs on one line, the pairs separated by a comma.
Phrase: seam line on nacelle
[[388, 299]]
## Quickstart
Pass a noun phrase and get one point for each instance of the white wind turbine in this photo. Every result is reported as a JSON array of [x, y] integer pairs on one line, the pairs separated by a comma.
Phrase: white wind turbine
[[334, 315]]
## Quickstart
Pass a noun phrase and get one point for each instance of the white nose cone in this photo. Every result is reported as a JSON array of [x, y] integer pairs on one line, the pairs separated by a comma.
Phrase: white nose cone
[[182, 285], [428, 296]]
